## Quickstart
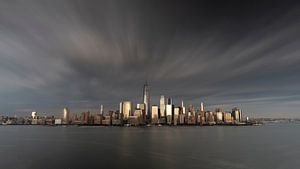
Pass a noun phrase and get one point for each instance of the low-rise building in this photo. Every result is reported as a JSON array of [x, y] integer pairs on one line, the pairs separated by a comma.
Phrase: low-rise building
[[58, 121]]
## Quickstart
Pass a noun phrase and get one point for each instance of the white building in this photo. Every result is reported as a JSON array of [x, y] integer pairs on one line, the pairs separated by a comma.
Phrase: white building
[[154, 111], [169, 110], [34, 115], [58, 122], [126, 109], [162, 106], [66, 115]]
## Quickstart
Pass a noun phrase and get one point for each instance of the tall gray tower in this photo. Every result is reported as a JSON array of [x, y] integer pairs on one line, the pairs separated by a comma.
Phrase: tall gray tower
[[146, 99]]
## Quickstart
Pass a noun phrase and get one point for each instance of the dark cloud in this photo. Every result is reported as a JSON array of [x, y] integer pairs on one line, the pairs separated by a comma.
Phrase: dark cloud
[[83, 53]]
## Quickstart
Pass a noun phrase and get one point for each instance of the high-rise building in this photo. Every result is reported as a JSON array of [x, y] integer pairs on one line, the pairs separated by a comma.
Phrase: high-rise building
[[169, 111], [146, 100], [182, 107], [66, 115], [99, 116], [176, 111], [191, 109], [202, 107], [142, 107], [98, 119], [154, 111], [121, 108], [227, 118], [34, 115], [138, 112], [154, 114], [162, 106], [219, 115], [236, 114], [211, 119], [126, 109], [101, 109], [176, 115], [170, 101], [85, 117], [181, 119], [241, 115], [202, 118]]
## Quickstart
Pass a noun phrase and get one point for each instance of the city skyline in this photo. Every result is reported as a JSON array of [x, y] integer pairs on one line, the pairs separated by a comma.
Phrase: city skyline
[[143, 114], [83, 54], [127, 108]]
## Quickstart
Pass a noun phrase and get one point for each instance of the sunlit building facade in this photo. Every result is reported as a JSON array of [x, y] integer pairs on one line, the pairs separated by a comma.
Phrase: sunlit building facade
[[154, 114], [162, 106], [126, 108], [66, 115], [146, 100]]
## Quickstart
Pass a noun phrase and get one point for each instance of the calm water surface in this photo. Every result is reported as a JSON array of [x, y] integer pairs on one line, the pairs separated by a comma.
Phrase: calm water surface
[[41, 147]]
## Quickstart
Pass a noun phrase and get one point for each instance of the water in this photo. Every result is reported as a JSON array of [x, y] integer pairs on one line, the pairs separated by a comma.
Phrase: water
[[259, 147]]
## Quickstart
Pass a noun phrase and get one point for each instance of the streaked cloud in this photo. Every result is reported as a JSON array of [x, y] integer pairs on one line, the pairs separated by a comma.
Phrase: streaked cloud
[[83, 53]]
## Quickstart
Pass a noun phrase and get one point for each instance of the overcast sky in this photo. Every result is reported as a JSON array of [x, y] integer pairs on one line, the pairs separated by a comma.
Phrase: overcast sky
[[82, 54]]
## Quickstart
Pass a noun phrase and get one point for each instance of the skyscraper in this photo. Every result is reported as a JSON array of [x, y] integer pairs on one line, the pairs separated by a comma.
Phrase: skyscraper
[[170, 101], [120, 108], [191, 109], [169, 111], [201, 107], [162, 106], [126, 109], [85, 117], [154, 114], [146, 100], [66, 115], [176, 115], [140, 106], [101, 109], [34, 115], [237, 114], [182, 107]]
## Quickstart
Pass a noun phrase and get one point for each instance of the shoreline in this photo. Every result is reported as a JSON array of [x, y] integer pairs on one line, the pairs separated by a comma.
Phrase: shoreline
[[142, 126]]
